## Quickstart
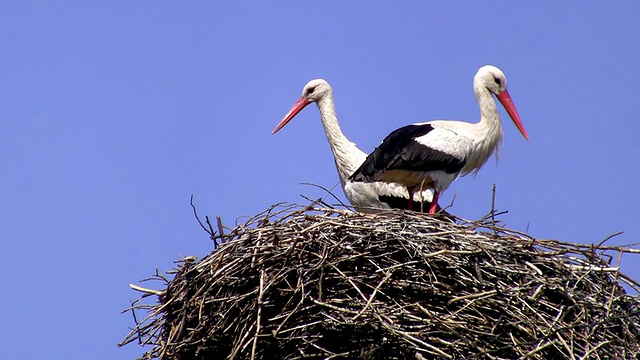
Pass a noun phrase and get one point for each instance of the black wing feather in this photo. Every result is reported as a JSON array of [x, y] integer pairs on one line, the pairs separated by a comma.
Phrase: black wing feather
[[400, 151]]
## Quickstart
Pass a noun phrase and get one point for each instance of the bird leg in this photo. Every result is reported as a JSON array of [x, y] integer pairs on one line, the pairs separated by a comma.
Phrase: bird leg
[[422, 195], [411, 190], [434, 202]]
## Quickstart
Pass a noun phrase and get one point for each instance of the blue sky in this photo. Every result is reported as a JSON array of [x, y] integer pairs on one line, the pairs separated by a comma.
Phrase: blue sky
[[114, 113]]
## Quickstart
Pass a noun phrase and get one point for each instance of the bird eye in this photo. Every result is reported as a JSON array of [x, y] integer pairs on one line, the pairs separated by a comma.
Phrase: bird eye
[[311, 90], [497, 80]]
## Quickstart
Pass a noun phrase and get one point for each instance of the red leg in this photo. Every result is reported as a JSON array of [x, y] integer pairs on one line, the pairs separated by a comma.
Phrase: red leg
[[434, 203], [410, 206]]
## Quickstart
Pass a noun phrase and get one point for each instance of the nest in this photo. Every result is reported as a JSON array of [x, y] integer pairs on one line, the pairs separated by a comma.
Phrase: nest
[[319, 283]]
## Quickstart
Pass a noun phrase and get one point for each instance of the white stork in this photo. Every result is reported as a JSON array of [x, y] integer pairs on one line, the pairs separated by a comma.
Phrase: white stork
[[433, 154], [367, 197]]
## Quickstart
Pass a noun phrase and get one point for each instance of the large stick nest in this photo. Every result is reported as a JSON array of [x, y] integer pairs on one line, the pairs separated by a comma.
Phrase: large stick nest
[[320, 283]]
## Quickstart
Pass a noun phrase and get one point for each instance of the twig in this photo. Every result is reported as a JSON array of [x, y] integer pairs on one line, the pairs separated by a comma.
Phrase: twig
[[493, 208], [295, 276], [593, 350], [195, 213], [609, 238], [373, 294], [220, 227], [258, 315], [135, 320], [472, 296], [147, 291], [329, 193]]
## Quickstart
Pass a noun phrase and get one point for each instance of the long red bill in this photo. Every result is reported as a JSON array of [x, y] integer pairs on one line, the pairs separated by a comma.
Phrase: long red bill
[[505, 100], [295, 109]]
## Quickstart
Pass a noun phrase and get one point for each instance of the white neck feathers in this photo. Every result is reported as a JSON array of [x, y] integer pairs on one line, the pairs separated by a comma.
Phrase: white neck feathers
[[346, 154], [487, 132]]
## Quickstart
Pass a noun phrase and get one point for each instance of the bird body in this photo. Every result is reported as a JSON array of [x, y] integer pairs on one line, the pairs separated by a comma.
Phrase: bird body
[[433, 154], [365, 197], [405, 152]]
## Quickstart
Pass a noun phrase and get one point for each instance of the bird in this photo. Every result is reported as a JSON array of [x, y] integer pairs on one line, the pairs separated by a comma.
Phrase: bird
[[370, 197], [433, 154]]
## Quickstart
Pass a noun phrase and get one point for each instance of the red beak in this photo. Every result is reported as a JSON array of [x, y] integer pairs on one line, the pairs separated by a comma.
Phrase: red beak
[[295, 109], [505, 100]]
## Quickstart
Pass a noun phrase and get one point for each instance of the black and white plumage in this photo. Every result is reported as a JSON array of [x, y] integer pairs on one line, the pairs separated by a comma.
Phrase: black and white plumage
[[368, 197], [432, 155]]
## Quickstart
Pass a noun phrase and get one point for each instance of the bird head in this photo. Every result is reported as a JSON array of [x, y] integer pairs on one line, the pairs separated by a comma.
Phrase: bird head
[[316, 90], [313, 91], [493, 79], [496, 82]]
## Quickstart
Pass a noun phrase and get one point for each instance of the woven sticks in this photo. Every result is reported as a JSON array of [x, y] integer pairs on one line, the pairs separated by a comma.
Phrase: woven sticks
[[319, 283]]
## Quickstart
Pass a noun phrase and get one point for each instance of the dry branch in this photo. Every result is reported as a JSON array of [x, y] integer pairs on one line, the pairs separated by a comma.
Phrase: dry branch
[[320, 283]]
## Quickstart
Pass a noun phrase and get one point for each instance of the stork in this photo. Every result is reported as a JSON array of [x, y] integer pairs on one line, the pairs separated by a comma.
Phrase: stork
[[367, 197], [433, 154]]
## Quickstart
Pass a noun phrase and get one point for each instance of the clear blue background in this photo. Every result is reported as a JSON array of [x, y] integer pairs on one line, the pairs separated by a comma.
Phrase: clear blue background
[[114, 113]]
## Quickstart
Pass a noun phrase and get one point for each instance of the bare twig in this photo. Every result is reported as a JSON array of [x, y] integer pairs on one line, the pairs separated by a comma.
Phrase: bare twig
[[309, 281], [195, 213], [147, 291], [258, 316], [220, 227], [329, 193]]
